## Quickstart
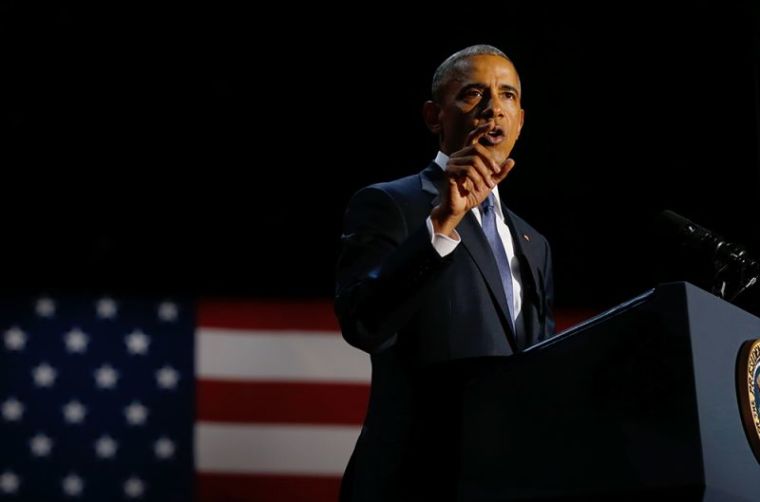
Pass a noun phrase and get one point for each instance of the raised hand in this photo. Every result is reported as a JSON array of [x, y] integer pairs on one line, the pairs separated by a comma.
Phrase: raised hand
[[471, 174]]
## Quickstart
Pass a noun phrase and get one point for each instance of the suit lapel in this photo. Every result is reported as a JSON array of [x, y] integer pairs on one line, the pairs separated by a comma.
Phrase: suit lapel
[[531, 261], [430, 177], [525, 248]]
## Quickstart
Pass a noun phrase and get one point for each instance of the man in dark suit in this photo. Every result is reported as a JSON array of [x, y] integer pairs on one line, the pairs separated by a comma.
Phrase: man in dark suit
[[434, 269]]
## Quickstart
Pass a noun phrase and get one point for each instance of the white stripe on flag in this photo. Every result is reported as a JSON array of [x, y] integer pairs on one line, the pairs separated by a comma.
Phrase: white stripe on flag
[[281, 449], [278, 355]]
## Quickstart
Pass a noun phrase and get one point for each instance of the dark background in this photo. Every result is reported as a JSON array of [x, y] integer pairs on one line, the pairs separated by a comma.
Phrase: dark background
[[212, 151]]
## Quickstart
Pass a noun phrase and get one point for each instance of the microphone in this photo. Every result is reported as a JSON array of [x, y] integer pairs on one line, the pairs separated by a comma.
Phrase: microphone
[[705, 240]]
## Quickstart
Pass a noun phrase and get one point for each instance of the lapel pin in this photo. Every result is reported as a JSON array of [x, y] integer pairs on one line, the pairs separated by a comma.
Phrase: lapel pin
[[525, 236]]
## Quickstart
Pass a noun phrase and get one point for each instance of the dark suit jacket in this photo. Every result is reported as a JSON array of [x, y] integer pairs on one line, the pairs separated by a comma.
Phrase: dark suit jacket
[[415, 312]]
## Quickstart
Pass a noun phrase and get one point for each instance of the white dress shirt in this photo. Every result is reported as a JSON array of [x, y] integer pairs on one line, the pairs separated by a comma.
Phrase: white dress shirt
[[445, 245]]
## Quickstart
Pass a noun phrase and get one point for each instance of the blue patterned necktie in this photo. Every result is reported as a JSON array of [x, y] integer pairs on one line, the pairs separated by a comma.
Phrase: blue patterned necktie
[[488, 215]]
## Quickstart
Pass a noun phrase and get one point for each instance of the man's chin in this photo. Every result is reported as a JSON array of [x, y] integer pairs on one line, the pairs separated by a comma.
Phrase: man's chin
[[499, 156]]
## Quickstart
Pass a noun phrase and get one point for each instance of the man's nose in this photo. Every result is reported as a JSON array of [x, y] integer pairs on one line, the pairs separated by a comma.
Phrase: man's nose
[[493, 106]]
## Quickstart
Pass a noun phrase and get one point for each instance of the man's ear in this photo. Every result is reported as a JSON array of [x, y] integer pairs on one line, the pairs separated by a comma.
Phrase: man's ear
[[430, 112]]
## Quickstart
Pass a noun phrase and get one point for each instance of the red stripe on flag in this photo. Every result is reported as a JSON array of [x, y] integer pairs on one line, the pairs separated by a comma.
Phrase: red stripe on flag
[[265, 488], [316, 315], [281, 402]]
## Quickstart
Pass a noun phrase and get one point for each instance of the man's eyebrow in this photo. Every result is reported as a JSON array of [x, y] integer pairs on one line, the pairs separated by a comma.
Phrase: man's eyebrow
[[503, 87], [507, 87]]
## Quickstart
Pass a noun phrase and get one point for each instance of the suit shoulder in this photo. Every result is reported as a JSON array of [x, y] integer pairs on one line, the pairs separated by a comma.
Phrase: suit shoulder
[[402, 191], [400, 187]]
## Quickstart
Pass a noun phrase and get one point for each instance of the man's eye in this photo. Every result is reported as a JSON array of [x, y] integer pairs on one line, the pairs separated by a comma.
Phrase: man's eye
[[508, 95], [473, 94]]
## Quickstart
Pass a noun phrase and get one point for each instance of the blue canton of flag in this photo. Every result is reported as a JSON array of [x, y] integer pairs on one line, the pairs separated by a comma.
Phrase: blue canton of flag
[[96, 399]]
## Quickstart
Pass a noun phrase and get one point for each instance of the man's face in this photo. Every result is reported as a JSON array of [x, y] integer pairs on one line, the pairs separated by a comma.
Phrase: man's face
[[481, 88]]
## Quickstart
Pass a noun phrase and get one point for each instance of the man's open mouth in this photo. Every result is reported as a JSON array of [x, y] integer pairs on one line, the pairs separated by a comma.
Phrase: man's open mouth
[[493, 138]]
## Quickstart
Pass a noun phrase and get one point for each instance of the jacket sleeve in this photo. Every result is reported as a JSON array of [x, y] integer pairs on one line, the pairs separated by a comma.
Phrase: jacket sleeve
[[383, 268]]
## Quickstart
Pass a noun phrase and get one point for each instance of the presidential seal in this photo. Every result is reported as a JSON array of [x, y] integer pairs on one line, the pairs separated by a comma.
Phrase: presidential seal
[[748, 385]]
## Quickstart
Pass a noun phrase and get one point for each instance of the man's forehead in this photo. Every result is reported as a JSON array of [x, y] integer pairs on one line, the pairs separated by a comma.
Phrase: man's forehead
[[473, 69]]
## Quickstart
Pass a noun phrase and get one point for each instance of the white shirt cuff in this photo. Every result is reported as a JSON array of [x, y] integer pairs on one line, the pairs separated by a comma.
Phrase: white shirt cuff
[[443, 244]]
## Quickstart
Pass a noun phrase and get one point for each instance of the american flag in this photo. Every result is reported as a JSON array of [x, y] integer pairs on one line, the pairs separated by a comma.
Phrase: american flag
[[156, 399]]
